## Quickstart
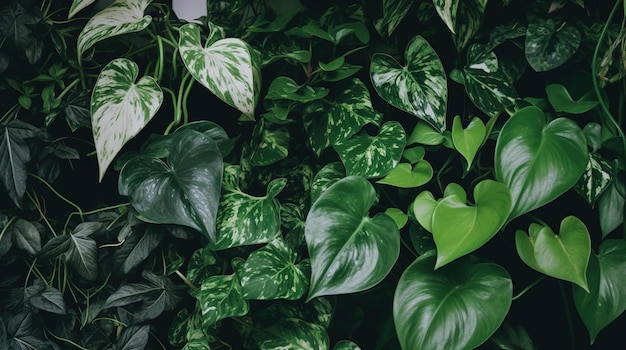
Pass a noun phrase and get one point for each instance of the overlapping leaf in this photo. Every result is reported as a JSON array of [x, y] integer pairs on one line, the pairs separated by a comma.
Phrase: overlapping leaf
[[292, 333], [596, 178], [83, 251], [549, 44], [77, 6], [220, 297], [469, 18], [394, 12]]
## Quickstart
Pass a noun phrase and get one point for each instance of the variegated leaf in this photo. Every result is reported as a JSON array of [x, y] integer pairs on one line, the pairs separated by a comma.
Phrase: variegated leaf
[[228, 67], [243, 219], [335, 122], [268, 144], [220, 297], [595, 179], [447, 10], [292, 333], [121, 17], [419, 87], [121, 107], [549, 44], [373, 156], [468, 21], [272, 273], [77, 6], [394, 12], [325, 177]]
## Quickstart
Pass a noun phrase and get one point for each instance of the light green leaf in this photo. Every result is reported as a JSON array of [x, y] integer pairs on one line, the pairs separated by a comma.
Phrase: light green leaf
[[404, 175], [468, 141], [292, 333], [537, 160], [228, 67], [350, 252], [220, 297], [549, 44], [525, 245], [419, 87], [373, 156], [121, 108], [425, 134], [574, 94], [77, 6], [121, 17], [447, 11], [596, 178], [446, 308], [423, 208], [398, 216]]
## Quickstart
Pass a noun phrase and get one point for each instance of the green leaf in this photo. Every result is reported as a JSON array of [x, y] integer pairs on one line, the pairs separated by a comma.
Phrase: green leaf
[[243, 219], [325, 177], [564, 256], [398, 216], [596, 178], [606, 298], [404, 175], [14, 155], [394, 12], [77, 6], [26, 236], [292, 333], [83, 252], [136, 248], [346, 345], [55, 247], [424, 134], [491, 92], [121, 108], [220, 297], [537, 160], [468, 141], [349, 251], [272, 273], [549, 44], [469, 18], [46, 298], [134, 337], [611, 207], [185, 190], [419, 87], [447, 10], [423, 208], [445, 308], [285, 88], [227, 67], [574, 95], [268, 144], [373, 156], [121, 17]]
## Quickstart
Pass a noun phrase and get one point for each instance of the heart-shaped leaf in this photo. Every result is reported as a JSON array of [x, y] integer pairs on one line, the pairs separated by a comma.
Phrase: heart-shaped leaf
[[121, 17], [26, 236], [292, 333], [424, 134], [227, 67], [121, 107], [404, 175], [574, 95], [220, 297], [549, 44], [564, 256], [373, 156], [446, 308], [185, 190], [606, 298], [467, 141], [77, 6], [538, 161], [419, 87], [469, 18], [349, 251]]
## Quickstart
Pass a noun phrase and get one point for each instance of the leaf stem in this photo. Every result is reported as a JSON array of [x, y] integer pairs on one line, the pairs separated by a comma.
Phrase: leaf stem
[[568, 315], [529, 287], [185, 280], [80, 211]]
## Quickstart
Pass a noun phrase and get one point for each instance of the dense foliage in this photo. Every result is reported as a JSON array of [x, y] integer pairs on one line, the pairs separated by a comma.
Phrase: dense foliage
[[376, 174]]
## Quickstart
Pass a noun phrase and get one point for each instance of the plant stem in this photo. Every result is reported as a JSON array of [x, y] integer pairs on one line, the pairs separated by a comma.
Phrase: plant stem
[[185, 280], [529, 287], [80, 211], [568, 315]]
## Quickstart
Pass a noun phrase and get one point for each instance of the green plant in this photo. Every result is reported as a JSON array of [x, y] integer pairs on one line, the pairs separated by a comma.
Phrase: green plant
[[374, 174]]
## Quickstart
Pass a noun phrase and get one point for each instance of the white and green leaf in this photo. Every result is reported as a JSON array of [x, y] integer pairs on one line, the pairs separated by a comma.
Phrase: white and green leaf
[[77, 6], [220, 297], [596, 178], [549, 44], [292, 333], [447, 10]]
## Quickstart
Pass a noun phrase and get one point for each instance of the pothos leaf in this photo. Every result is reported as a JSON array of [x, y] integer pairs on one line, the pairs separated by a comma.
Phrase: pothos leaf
[[220, 297], [549, 44], [292, 333], [447, 10], [595, 180], [83, 252], [468, 21], [394, 12], [77, 6]]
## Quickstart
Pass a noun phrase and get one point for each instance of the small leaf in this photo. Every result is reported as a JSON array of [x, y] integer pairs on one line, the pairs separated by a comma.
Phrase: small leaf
[[220, 297], [424, 134], [292, 333], [136, 248], [469, 18], [14, 155], [611, 207], [404, 175], [268, 144], [46, 298], [574, 95], [595, 180], [468, 141], [134, 337], [346, 345], [325, 177], [26, 236], [398, 216], [394, 12], [550, 44]]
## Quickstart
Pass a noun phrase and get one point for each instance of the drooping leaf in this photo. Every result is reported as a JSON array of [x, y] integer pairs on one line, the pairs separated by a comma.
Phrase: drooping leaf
[[425, 134], [14, 156], [121, 108], [26, 236], [419, 87], [595, 180], [83, 252], [121, 17], [445, 308], [549, 44], [537, 160], [227, 67], [292, 333], [349, 251], [468, 141], [77, 6], [184, 190], [220, 297]]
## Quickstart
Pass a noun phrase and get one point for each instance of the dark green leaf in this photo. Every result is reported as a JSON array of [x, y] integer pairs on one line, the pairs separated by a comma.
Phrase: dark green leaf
[[14, 156], [549, 44], [596, 178], [325, 177], [220, 297], [268, 144], [134, 337], [83, 251], [394, 12], [26, 236], [611, 207], [46, 298], [292, 333], [136, 248]]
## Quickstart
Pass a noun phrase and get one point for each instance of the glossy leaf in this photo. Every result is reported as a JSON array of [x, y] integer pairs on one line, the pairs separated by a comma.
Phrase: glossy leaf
[[14, 155], [184, 190], [447, 11], [611, 207], [292, 333], [268, 144], [468, 141], [346, 345], [325, 177], [26, 236], [469, 18], [227, 67], [419, 87], [538, 160], [349, 251], [136, 248], [373, 156], [405, 175], [77, 6], [83, 251], [220, 297], [121, 17], [285, 88], [573, 95], [595, 180], [606, 299], [549, 44], [394, 12], [445, 308], [425, 134]]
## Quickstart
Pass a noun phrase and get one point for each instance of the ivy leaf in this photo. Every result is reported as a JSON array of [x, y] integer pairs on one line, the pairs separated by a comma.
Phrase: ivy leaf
[[26, 236], [468, 141], [271, 273], [14, 156], [350, 252], [606, 298], [419, 87], [292, 333], [538, 161], [227, 67], [451, 302], [549, 44], [183, 191], [595, 180], [373, 156], [121, 17], [220, 297], [121, 108], [83, 252], [77, 6]]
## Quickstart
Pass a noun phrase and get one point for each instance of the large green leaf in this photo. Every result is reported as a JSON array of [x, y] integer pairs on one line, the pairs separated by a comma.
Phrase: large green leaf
[[220, 297], [606, 299], [121, 17], [292, 333], [336, 121], [228, 67], [243, 219], [134, 337], [549, 44], [538, 160], [373, 156], [46, 298], [349, 251], [14, 155], [272, 273], [121, 107], [456, 307], [419, 87], [467, 141], [183, 191], [564, 256]]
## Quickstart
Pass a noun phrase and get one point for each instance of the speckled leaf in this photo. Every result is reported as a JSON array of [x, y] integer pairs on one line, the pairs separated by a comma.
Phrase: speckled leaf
[[394, 12], [349, 251], [220, 297], [447, 10], [292, 333], [227, 67], [335, 122], [596, 178], [121, 17], [120, 108], [272, 273], [77, 6], [549, 44], [243, 219], [325, 177], [269, 144], [469, 18], [346, 345], [419, 87], [373, 156]]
